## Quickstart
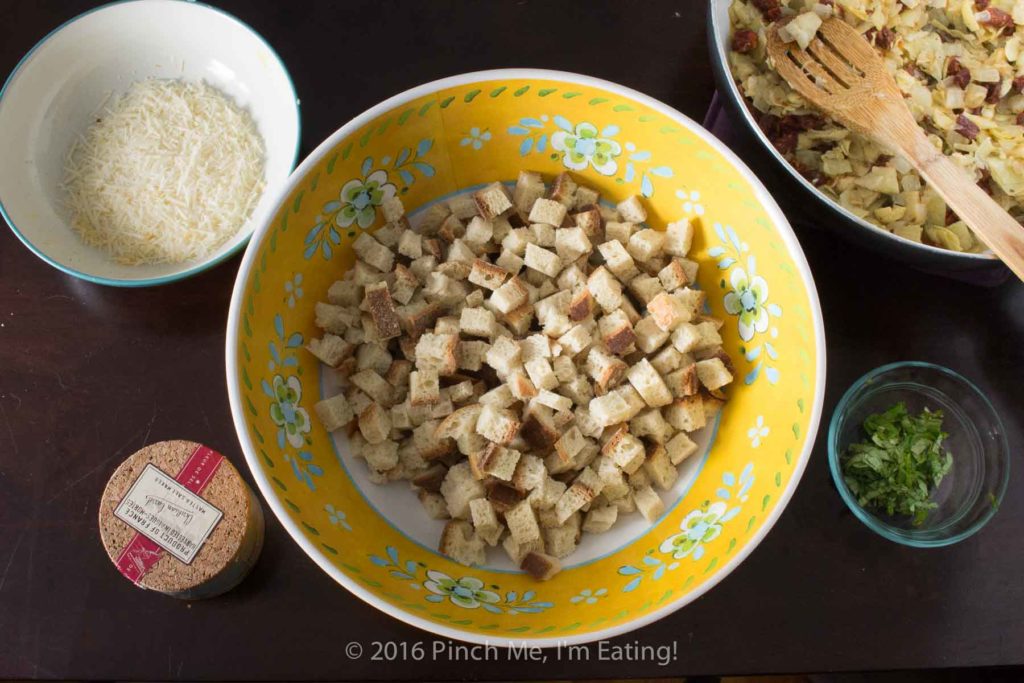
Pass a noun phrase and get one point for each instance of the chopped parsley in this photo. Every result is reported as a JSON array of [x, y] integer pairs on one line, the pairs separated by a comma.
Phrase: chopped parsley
[[896, 469]]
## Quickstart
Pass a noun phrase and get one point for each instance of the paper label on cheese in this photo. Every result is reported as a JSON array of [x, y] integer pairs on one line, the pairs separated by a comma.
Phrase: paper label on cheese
[[167, 513]]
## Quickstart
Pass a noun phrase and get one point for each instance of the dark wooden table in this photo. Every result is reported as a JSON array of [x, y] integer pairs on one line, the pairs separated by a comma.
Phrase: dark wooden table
[[88, 374]]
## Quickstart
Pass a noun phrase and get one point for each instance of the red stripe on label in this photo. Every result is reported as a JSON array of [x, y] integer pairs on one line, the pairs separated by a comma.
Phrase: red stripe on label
[[139, 556]]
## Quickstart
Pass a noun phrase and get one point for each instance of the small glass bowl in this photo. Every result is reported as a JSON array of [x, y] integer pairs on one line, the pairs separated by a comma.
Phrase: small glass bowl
[[972, 490]]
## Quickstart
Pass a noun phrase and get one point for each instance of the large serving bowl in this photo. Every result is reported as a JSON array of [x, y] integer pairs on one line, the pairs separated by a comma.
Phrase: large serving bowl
[[55, 92], [840, 220], [462, 132]]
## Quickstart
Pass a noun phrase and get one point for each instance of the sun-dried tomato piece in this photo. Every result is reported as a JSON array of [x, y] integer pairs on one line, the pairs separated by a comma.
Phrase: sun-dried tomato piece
[[993, 92], [800, 122], [985, 182], [1020, 119], [969, 129], [1018, 84], [744, 40], [770, 9], [981, 4], [960, 74], [785, 141], [995, 17], [951, 216]]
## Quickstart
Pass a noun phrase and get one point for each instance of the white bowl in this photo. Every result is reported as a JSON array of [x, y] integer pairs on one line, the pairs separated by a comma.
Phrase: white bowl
[[50, 97]]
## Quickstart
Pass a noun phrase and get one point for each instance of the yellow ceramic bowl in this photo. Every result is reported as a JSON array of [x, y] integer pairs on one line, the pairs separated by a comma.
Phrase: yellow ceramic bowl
[[462, 132]]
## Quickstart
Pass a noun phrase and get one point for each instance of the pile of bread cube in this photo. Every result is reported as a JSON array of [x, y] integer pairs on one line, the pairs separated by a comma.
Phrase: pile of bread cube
[[531, 362]]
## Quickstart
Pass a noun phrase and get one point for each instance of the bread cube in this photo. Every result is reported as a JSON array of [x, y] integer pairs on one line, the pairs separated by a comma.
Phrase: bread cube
[[410, 244], [679, 448], [543, 234], [540, 565], [373, 252], [510, 262], [529, 473], [547, 211], [334, 412], [584, 489], [504, 355], [335, 319], [529, 188], [709, 337], [649, 384], [683, 382], [375, 423], [330, 349], [599, 520], [659, 468], [606, 289], [424, 387], [651, 424], [542, 260], [617, 332], [591, 223], [510, 295], [563, 190], [686, 338], [434, 504], [686, 414], [522, 523], [541, 374], [674, 275], [575, 340], [561, 541], [572, 243], [604, 368], [679, 237], [618, 260], [552, 400], [646, 245], [618, 231], [609, 409], [586, 423], [492, 201], [460, 543], [649, 503], [477, 322], [539, 429], [497, 425], [624, 450], [499, 397], [344, 293], [459, 488], [632, 209]]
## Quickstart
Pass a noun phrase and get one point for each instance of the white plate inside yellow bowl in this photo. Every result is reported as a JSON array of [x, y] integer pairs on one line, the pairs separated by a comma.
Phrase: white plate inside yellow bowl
[[459, 133]]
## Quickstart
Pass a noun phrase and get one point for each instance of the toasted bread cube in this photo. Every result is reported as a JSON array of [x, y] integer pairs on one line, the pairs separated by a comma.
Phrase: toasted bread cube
[[334, 412], [423, 266], [605, 288], [572, 276], [478, 322], [646, 244], [392, 209], [582, 305], [382, 456], [591, 223], [335, 319], [375, 423], [330, 350], [679, 238], [683, 382], [563, 366], [400, 417], [499, 462], [599, 520], [497, 425], [460, 543], [535, 346], [686, 414], [680, 447], [540, 565], [543, 234], [713, 374], [626, 504], [604, 368], [651, 424], [586, 422], [572, 243], [575, 340], [463, 207], [609, 409], [618, 231], [552, 400], [632, 209], [674, 275], [492, 201], [424, 387], [405, 285], [615, 485], [410, 244], [344, 293], [570, 443], [459, 488], [373, 252], [479, 231], [443, 289], [510, 296], [625, 450], [517, 552], [584, 489], [617, 332], [516, 240], [434, 504], [485, 521], [519, 319], [458, 423], [378, 301], [686, 338], [520, 385], [561, 541], [709, 337], [438, 351], [586, 196], [374, 386], [649, 336], [469, 355], [645, 288], [522, 523], [539, 430], [364, 273], [649, 503], [529, 188], [669, 312], [541, 374], [659, 468], [547, 211], [357, 399], [618, 260], [397, 374], [563, 190], [529, 473], [578, 389], [649, 384], [632, 398], [499, 397], [504, 355], [459, 251], [487, 275], [668, 359], [542, 260]]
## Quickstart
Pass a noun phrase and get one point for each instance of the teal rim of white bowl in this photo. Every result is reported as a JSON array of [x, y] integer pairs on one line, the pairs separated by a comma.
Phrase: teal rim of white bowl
[[200, 267], [872, 521]]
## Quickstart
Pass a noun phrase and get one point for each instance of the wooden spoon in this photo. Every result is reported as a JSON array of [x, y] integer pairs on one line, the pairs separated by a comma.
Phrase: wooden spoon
[[843, 75]]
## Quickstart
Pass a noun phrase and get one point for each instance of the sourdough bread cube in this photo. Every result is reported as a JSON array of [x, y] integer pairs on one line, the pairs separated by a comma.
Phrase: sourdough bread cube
[[410, 244], [335, 319], [499, 397], [330, 349], [492, 201], [334, 413], [517, 552], [509, 261], [649, 384], [547, 211], [679, 238], [374, 386], [522, 523], [571, 243], [617, 332], [618, 260], [344, 293], [619, 231], [477, 322], [624, 450], [510, 295], [541, 374], [683, 382], [651, 424], [487, 275], [609, 409], [584, 489], [424, 387], [659, 468], [543, 234], [713, 374], [680, 447], [563, 190], [601, 519], [459, 488], [530, 473], [520, 385], [632, 209], [686, 414], [540, 565], [375, 423], [552, 400], [529, 188], [434, 504], [669, 312], [497, 425], [646, 244], [674, 275], [438, 351], [649, 503], [576, 340], [373, 252], [460, 543], [645, 288], [542, 260], [485, 521], [606, 289], [686, 338]]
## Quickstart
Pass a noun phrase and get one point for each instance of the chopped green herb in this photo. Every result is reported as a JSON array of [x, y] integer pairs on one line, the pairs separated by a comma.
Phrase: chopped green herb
[[900, 464]]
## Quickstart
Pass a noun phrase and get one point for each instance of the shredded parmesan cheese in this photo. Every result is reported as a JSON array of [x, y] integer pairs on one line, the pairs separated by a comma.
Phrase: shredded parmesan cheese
[[167, 173]]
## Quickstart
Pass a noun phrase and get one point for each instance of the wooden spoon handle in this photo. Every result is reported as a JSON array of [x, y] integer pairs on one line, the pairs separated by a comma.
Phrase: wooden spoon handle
[[989, 221]]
